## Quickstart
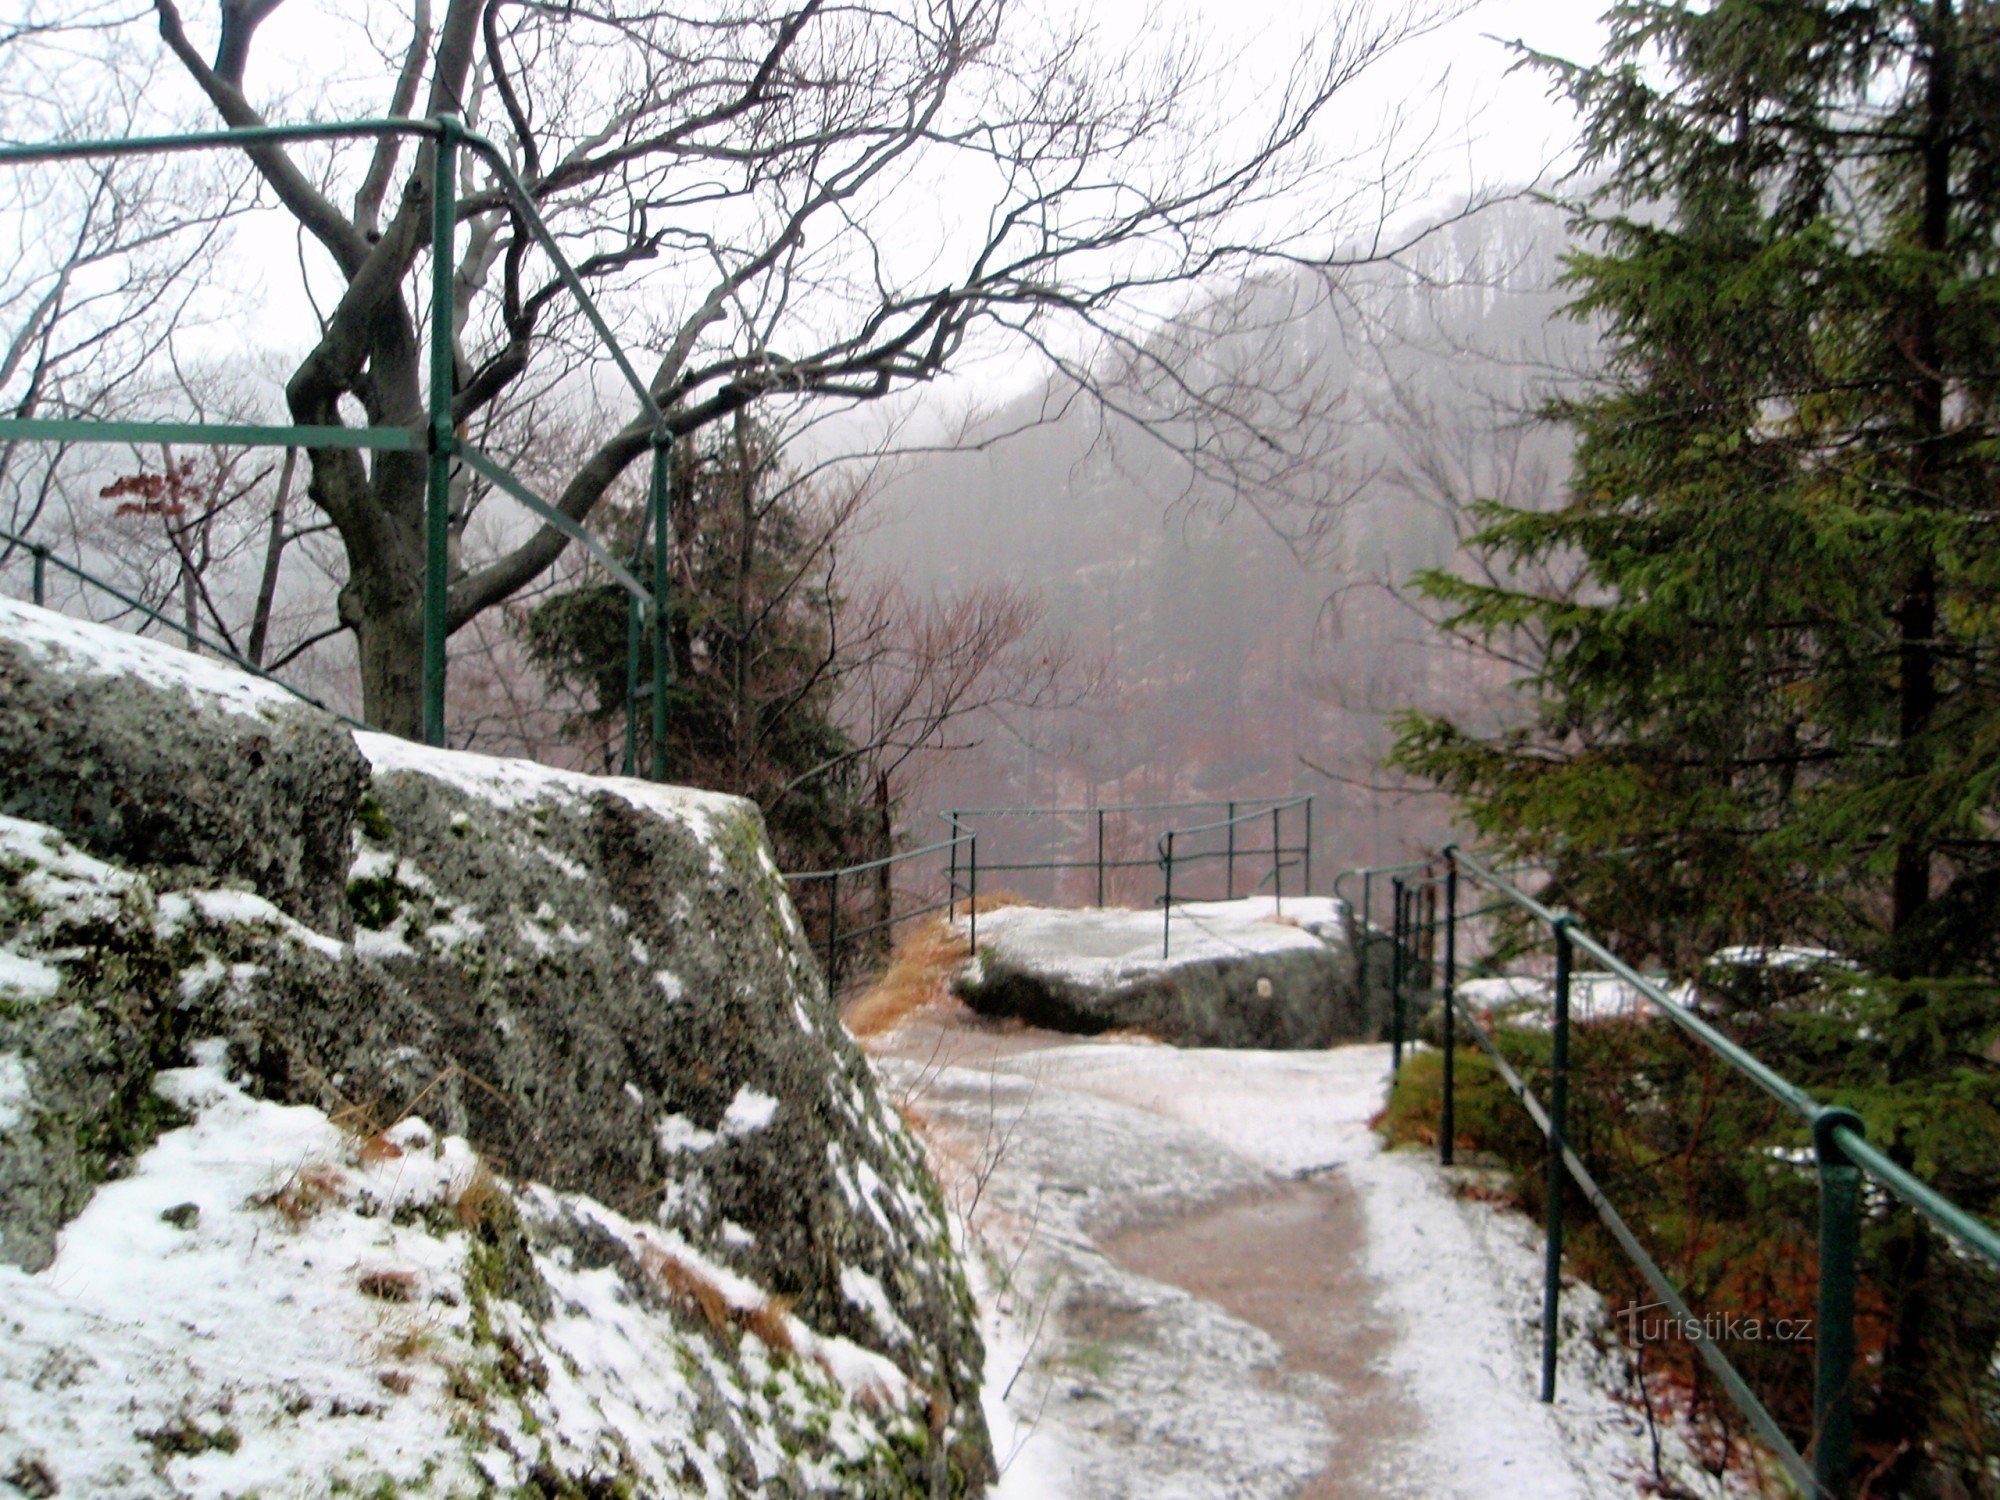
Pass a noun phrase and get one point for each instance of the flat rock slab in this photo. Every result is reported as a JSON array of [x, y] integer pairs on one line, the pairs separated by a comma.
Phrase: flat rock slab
[[1249, 973]]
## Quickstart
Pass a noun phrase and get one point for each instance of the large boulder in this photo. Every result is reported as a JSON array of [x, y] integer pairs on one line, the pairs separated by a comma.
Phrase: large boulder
[[164, 760], [597, 985], [1250, 973]]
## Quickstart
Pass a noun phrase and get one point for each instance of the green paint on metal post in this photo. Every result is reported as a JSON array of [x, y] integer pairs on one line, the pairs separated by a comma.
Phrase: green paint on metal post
[[1396, 935], [437, 494], [633, 635], [40, 559], [951, 869], [662, 644], [1229, 859], [1833, 1352], [1552, 1243], [1277, 864], [1448, 1127], [832, 927]]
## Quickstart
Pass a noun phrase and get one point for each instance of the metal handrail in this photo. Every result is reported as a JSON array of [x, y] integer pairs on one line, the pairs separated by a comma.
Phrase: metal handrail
[[836, 935], [1250, 808], [41, 557], [1842, 1155], [437, 435], [1276, 810]]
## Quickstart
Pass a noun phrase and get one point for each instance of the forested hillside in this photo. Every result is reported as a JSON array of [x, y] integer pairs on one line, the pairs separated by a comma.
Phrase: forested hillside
[[1247, 630]]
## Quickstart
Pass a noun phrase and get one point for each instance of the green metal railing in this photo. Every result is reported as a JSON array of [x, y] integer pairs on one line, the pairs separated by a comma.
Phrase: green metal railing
[[1425, 902], [435, 436], [1171, 853], [964, 867], [955, 891], [1229, 825], [42, 558]]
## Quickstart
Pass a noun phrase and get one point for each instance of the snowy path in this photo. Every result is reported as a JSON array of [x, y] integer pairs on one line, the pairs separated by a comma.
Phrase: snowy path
[[1206, 1278]]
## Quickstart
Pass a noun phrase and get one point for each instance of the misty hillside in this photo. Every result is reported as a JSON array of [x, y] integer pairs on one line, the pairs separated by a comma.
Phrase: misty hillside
[[1237, 609]]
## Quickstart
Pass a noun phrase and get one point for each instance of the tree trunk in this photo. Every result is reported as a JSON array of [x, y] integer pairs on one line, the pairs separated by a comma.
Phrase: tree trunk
[[274, 556], [383, 604], [1916, 614]]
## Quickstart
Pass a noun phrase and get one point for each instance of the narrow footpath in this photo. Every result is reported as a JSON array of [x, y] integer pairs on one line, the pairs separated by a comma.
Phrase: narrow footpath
[[1204, 1278]]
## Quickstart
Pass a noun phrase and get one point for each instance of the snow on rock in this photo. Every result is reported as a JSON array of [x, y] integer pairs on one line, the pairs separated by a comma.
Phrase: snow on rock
[[269, 1303], [1256, 972], [74, 648], [140, 753], [380, 930]]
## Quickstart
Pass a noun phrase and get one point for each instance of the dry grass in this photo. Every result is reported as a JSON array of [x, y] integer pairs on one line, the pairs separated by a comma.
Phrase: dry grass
[[689, 1289], [388, 1286], [310, 1188], [481, 1201], [376, 1148], [919, 972], [771, 1322], [692, 1291]]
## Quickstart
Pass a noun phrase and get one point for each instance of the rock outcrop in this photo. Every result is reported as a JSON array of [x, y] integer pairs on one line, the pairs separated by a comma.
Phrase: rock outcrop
[[1238, 973], [594, 990]]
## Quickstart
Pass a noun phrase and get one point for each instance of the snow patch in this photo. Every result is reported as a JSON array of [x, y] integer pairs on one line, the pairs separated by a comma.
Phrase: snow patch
[[749, 1111], [14, 1084], [238, 908], [82, 649], [24, 978]]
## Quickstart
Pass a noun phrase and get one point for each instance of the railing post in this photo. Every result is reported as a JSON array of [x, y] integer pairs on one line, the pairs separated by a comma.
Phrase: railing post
[[1396, 934], [1167, 904], [951, 869], [1552, 1241], [972, 894], [1100, 858], [662, 646], [832, 926], [1229, 859], [1833, 1353], [437, 492], [1450, 984], [1365, 934], [1306, 874], [1427, 934], [630, 764], [40, 585], [1277, 865]]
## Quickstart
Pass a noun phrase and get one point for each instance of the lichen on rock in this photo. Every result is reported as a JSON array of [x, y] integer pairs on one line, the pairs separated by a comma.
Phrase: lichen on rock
[[598, 984]]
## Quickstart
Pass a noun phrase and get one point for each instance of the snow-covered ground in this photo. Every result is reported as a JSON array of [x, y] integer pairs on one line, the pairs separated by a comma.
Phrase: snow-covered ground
[[270, 1304], [1066, 1154]]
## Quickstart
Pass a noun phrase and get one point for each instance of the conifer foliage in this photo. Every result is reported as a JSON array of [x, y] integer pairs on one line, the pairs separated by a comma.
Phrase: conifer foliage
[[753, 632], [1771, 711]]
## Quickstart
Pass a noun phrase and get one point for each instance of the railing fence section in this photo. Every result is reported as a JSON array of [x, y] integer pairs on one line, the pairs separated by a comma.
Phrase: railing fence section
[[1424, 908]]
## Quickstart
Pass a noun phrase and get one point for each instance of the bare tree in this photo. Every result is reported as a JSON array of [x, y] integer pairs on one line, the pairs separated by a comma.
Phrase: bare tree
[[102, 259], [779, 172]]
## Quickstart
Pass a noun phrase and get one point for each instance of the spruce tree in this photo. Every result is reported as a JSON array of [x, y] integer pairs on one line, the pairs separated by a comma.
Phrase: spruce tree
[[752, 622], [1771, 712]]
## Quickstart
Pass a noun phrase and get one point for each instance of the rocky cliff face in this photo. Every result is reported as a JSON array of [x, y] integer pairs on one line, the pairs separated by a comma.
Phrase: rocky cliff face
[[583, 1006]]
